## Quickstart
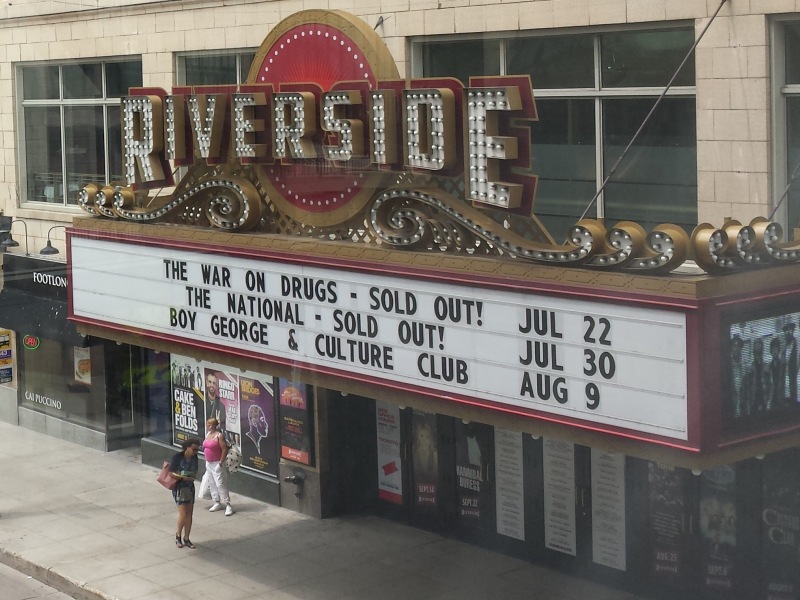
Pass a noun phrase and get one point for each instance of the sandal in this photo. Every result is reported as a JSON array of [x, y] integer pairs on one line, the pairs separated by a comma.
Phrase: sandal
[[188, 543], [178, 542]]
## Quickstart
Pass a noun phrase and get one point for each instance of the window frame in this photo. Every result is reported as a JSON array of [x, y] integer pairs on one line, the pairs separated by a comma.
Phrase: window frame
[[780, 93], [24, 200], [239, 53], [597, 93]]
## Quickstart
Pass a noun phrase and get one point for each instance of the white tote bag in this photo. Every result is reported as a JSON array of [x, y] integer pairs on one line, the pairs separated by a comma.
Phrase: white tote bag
[[205, 488]]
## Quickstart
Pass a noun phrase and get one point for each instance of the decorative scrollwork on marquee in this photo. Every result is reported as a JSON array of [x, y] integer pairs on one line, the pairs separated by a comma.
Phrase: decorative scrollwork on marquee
[[229, 203], [736, 246], [407, 218], [410, 217]]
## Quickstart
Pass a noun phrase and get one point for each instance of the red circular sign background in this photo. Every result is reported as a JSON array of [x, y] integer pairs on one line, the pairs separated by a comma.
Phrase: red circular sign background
[[315, 190], [314, 53]]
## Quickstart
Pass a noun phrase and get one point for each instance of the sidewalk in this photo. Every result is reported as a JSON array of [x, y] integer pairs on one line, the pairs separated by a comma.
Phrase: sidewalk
[[98, 526]]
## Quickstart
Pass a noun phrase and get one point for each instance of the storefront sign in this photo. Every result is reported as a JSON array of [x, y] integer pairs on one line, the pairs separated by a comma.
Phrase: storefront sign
[[608, 509], [257, 410], [510, 493], [620, 366], [780, 527], [357, 117], [425, 454], [472, 472], [666, 504], [390, 473], [82, 361], [50, 404], [559, 496], [35, 275], [718, 528], [187, 401], [6, 356], [296, 422], [31, 342]]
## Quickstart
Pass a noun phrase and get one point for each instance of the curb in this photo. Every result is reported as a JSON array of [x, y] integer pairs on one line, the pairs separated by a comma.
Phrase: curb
[[57, 581]]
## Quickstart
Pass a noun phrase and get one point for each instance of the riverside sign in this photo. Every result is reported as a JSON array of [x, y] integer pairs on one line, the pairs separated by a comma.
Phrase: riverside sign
[[231, 121], [324, 100]]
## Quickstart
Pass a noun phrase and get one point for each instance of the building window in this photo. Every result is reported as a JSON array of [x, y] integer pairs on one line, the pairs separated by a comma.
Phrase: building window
[[229, 68], [593, 91], [787, 109], [70, 126]]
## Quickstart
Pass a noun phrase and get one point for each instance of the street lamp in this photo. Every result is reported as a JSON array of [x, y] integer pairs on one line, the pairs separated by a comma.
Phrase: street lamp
[[10, 242], [49, 248]]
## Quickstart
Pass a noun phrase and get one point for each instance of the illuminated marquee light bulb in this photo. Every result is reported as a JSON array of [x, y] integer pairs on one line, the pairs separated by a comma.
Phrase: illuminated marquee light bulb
[[349, 131], [141, 139], [246, 127], [383, 146], [169, 124], [487, 148], [430, 141], [202, 123], [174, 129], [294, 106]]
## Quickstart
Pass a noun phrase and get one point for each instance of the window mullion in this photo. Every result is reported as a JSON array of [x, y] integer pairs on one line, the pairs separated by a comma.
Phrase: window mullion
[[599, 158], [106, 148], [61, 110], [63, 128]]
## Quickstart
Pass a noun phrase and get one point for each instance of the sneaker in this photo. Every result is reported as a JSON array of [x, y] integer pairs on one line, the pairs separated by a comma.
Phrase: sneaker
[[215, 507], [228, 510]]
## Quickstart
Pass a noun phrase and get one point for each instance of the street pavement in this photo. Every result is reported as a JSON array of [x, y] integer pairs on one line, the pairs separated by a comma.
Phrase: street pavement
[[97, 526]]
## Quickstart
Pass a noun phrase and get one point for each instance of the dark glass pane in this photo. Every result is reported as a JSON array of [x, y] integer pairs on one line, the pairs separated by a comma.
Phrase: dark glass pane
[[50, 372], [83, 81], [565, 61], [461, 59], [40, 83], [563, 158], [114, 130], [244, 65], [43, 153], [86, 157], [793, 159], [646, 58], [657, 181], [210, 70], [119, 399], [122, 75], [792, 52]]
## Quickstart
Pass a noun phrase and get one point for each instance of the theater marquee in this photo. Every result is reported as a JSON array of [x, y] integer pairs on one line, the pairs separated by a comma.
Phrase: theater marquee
[[606, 364]]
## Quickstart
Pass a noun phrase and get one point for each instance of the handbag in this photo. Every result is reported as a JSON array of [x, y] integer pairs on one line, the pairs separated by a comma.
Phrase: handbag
[[165, 479], [234, 459]]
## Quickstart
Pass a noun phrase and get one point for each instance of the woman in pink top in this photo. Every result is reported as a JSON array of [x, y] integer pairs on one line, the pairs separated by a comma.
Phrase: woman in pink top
[[216, 449]]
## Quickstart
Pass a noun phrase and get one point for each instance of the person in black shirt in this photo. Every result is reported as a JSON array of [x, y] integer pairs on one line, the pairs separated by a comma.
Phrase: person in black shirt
[[183, 467]]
